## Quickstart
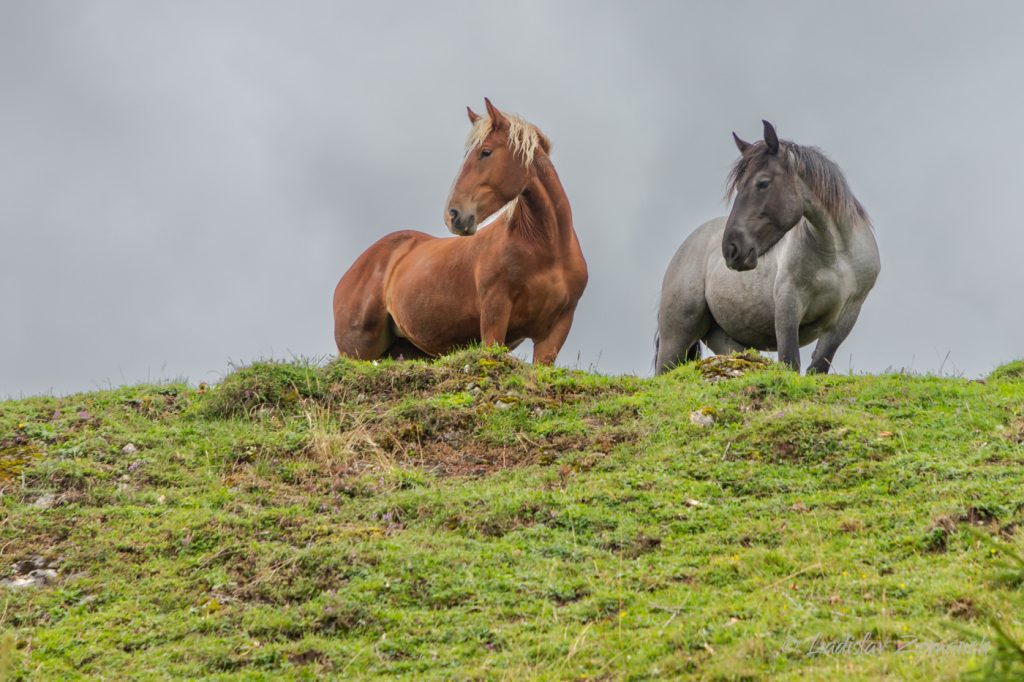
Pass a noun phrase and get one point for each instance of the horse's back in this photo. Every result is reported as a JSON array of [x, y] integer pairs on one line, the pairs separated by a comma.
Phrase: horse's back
[[381, 254], [395, 243]]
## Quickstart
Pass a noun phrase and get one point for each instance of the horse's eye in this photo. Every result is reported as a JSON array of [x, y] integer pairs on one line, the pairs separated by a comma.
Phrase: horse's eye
[[762, 184], [484, 153]]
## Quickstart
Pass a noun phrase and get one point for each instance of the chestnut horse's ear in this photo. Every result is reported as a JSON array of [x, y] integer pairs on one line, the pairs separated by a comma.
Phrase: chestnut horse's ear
[[771, 140], [498, 119], [473, 116], [740, 144]]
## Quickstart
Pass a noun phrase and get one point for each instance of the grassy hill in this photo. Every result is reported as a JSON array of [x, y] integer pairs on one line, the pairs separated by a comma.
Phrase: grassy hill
[[478, 518]]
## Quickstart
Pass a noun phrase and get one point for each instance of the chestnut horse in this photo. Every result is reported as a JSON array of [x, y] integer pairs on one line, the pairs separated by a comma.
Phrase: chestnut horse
[[414, 295]]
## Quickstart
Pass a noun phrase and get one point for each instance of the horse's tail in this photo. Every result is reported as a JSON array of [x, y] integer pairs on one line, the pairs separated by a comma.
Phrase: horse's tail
[[657, 343]]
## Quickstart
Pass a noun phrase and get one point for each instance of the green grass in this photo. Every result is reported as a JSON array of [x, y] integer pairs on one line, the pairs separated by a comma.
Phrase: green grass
[[478, 518]]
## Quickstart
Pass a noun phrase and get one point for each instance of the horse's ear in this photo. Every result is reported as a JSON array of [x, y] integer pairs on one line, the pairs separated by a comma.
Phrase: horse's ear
[[473, 116], [740, 144], [498, 119], [771, 140]]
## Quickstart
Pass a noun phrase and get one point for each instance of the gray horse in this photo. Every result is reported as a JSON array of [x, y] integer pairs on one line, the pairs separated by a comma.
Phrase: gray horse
[[792, 263]]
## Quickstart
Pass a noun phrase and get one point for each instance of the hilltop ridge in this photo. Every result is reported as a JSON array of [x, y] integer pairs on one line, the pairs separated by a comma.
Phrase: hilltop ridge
[[479, 517]]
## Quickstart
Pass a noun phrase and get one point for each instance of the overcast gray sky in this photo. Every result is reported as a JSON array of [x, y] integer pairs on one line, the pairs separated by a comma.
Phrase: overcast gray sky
[[183, 183]]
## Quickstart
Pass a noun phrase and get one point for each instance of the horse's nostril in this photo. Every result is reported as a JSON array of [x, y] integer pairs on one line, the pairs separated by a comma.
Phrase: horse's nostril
[[732, 250], [453, 214]]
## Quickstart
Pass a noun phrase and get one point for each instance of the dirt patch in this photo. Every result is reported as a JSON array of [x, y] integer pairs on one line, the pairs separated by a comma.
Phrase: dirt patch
[[936, 538], [634, 546], [452, 442], [1015, 431], [851, 526], [308, 656], [979, 516], [962, 609]]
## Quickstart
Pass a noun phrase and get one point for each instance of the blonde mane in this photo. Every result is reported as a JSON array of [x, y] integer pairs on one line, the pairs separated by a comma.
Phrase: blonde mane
[[523, 137]]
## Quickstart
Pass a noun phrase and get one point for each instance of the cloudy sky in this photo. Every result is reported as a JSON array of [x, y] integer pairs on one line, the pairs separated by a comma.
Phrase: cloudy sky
[[183, 183]]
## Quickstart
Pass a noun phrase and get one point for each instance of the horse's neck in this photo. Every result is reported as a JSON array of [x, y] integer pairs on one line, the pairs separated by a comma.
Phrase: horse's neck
[[828, 233], [542, 212]]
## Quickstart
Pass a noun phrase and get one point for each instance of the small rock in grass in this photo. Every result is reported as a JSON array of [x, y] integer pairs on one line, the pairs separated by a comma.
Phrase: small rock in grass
[[702, 417], [129, 449], [799, 507], [45, 501], [502, 405], [43, 576], [35, 578], [30, 564]]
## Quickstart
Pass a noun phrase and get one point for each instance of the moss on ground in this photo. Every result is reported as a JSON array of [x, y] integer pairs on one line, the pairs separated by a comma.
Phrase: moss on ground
[[479, 518]]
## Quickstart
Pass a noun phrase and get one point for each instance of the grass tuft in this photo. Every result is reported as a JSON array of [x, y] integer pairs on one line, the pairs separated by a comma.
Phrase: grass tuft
[[1011, 371], [263, 386]]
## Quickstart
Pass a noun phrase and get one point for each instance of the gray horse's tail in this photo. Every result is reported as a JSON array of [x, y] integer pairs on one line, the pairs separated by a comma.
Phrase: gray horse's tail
[[657, 343]]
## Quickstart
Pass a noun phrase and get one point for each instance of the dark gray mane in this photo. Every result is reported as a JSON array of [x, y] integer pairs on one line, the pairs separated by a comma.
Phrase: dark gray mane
[[820, 173]]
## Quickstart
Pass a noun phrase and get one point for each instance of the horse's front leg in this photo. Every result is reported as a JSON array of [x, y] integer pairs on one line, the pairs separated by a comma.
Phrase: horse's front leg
[[495, 312], [788, 312], [545, 349]]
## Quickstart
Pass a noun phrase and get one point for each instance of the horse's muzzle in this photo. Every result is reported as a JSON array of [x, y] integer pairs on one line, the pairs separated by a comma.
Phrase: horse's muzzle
[[737, 260], [460, 224]]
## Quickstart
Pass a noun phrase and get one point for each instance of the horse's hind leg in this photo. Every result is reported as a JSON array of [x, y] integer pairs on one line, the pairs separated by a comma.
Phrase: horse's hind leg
[[828, 343], [362, 326], [721, 343], [683, 315], [365, 334], [680, 328]]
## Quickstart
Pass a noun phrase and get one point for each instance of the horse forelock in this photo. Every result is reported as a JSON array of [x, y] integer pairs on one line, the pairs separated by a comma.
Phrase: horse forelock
[[524, 138], [824, 178]]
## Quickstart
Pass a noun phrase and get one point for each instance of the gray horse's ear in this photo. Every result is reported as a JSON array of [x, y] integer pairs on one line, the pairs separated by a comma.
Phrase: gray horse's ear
[[473, 116], [771, 140], [740, 144]]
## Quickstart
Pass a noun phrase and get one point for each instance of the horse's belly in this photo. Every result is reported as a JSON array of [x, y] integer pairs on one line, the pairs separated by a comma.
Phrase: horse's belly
[[433, 318], [433, 324]]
